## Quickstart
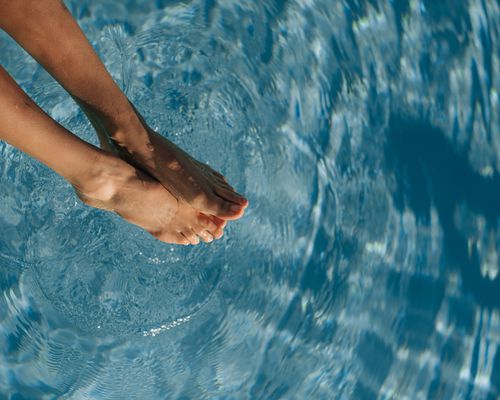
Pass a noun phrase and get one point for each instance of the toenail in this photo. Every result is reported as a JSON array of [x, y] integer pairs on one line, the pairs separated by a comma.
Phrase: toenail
[[235, 207]]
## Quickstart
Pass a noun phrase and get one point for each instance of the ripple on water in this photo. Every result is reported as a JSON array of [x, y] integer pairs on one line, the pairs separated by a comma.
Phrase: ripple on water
[[336, 284], [103, 295], [99, 273]]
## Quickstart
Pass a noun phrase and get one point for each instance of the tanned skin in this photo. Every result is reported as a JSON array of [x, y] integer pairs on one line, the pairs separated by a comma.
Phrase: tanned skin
[[138, 173]]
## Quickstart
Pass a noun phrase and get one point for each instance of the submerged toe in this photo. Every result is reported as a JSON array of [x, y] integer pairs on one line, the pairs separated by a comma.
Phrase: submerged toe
[[176, 238], [206, 236], [205, 223], [219, 222], [181, 239], [192, 237]]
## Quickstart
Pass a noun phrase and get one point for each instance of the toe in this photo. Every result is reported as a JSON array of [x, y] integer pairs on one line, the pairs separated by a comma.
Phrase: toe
[[235, 211], [171, 238], [222, 208], [205, 228], [221, 179], [206, 236], [218, 233], [192, 237], [217, 174], [230, 195], [230, 211], [225, 185], [206, 223], [181, 239], [217, 227], [221, 223]]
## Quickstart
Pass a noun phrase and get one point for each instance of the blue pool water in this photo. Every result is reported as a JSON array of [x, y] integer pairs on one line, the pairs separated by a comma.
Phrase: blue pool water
[[365, 134]]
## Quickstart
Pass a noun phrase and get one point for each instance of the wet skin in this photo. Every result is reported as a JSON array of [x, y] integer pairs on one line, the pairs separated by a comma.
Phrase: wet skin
[[139, 174]]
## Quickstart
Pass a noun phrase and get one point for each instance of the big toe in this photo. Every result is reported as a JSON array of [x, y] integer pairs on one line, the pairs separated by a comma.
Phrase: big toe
[[221, 208], [226, 204], [227, 193]]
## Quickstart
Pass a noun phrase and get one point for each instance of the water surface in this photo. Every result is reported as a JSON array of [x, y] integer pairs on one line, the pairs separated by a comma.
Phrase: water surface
[[365, 135]]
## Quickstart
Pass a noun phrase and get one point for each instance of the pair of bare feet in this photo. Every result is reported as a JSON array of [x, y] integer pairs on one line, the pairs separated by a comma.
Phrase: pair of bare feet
[[138, 174], [154, 184]]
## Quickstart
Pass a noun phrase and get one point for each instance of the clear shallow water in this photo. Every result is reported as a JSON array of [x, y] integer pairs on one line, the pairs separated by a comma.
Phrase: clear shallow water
[[365, 134]]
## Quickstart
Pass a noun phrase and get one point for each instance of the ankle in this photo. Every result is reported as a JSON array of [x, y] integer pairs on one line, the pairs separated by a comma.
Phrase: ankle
[[125, 130], [99, 186]]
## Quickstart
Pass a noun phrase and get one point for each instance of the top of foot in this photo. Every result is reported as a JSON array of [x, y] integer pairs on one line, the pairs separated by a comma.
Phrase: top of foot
[[143, 201], [187, 179]]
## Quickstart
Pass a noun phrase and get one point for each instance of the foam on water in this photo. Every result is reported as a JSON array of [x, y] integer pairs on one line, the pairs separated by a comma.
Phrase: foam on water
[[364, 134]]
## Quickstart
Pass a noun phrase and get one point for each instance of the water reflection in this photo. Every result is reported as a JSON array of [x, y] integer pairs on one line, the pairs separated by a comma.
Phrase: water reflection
[[363, 132]]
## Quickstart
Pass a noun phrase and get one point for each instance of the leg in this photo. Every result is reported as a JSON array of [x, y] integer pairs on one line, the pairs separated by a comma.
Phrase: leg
[[100, 179], [63, 50]]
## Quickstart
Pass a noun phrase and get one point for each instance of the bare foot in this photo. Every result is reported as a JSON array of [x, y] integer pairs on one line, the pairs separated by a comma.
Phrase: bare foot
[[143, 201], [189, 180]]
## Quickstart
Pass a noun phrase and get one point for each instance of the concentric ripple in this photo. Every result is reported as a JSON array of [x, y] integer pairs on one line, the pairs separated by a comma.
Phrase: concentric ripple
[[364, 134], [116, 287]]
